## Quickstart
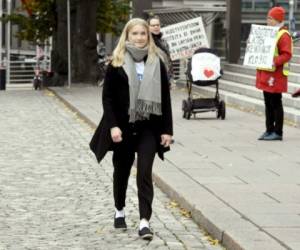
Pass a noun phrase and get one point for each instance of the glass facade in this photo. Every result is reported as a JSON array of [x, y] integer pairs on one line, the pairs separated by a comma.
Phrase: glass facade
[[266, 4]]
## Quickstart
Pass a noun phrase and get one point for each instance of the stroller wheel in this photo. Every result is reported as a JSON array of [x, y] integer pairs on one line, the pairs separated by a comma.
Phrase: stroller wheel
[[189, 105], [187, 109], [221, 113], [188, 115], [184, 108]]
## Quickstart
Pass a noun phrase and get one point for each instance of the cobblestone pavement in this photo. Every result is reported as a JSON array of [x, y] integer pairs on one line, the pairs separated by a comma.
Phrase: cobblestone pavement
[[53, 194]]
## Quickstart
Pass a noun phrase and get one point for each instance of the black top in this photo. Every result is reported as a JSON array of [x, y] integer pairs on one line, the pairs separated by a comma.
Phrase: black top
[[161, 43], [115, 98]]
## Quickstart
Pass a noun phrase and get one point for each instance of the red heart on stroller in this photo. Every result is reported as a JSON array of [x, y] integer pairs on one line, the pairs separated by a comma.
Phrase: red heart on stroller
[[208, 73]]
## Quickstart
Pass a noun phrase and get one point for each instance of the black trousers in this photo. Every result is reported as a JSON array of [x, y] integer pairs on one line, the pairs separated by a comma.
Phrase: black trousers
[[274, 112], [138, 139]]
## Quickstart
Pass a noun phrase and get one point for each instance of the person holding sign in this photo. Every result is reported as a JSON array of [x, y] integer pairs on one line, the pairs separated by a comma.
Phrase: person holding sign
[[154, 25], [274, 81], [137, 118]]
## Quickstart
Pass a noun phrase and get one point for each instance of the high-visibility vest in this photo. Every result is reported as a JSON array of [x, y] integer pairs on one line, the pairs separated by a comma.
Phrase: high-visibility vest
[[286, 66]]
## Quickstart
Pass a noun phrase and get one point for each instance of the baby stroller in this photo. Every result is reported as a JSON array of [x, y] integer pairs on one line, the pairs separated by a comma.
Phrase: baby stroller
[[203, 69]]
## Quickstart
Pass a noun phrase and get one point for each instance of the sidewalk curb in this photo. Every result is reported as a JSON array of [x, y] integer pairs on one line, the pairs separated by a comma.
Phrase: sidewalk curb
[[74, 109], [197, 215]]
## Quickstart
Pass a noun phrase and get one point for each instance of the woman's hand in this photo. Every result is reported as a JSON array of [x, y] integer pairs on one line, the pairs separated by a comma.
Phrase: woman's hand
[[116, 134], [166, 140]]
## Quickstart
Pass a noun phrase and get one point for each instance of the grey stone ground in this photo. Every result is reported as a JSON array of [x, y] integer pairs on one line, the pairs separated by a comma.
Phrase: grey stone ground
[[53, 195], [243, 191]]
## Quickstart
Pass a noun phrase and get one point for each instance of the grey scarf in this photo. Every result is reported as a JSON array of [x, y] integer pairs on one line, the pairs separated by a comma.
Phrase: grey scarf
[[145, 95]]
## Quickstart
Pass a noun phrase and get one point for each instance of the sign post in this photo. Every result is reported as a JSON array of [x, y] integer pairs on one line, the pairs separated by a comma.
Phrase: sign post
[[2, 70], [233, 26], [69, 44], [292, 23], [1, 14], [8, 41]]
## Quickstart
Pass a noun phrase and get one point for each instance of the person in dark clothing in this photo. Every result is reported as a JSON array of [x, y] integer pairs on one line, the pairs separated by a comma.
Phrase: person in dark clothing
[[154, 25], [137, 118], [274, 81]]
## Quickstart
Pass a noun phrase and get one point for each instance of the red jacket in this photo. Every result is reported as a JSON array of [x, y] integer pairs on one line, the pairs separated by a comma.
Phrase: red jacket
[[276, 82]]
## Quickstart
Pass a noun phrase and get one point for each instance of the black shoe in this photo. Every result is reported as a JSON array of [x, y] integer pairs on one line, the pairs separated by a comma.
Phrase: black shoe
[[262, 137], [120, 223], [273, 137], [146, 233]]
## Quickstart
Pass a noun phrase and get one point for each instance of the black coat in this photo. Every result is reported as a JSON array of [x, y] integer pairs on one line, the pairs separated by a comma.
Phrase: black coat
[[115, 99], [161, 43]]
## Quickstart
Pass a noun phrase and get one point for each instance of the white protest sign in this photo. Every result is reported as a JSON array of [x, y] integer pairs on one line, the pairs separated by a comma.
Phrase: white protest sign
[[185, 37], [260, 46]]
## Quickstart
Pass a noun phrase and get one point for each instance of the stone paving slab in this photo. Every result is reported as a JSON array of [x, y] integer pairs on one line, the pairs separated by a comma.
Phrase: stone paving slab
[[219, 171], [53, 194]]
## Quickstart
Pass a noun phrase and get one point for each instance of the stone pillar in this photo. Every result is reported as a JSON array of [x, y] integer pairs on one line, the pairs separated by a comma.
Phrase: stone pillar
[[233, 26], [210, 33]]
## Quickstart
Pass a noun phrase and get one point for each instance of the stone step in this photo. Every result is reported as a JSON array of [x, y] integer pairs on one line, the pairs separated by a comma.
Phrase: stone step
[[237, 68], [244, 70], [19, 86], [249, 80], [244, 79], [296, 50], [295, 58], [17, 83], [20, 80], [295, 67], [253, 92], [21, 76], [17, 67], [26, 72]]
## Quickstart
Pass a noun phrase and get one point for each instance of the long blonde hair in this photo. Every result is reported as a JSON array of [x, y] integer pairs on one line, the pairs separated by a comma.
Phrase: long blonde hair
[[119, 51]]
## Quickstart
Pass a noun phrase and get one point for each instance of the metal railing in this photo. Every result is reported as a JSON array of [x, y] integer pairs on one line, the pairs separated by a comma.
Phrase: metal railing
[[179, 70], [23, 71]]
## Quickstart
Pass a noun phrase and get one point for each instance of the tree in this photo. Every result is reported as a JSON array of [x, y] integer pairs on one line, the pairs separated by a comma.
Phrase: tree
[[47, 18], [39, 22], [111, 16]]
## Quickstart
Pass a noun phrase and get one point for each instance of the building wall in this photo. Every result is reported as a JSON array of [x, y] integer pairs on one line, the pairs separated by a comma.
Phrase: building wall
[[16, 43], [185, 3]]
